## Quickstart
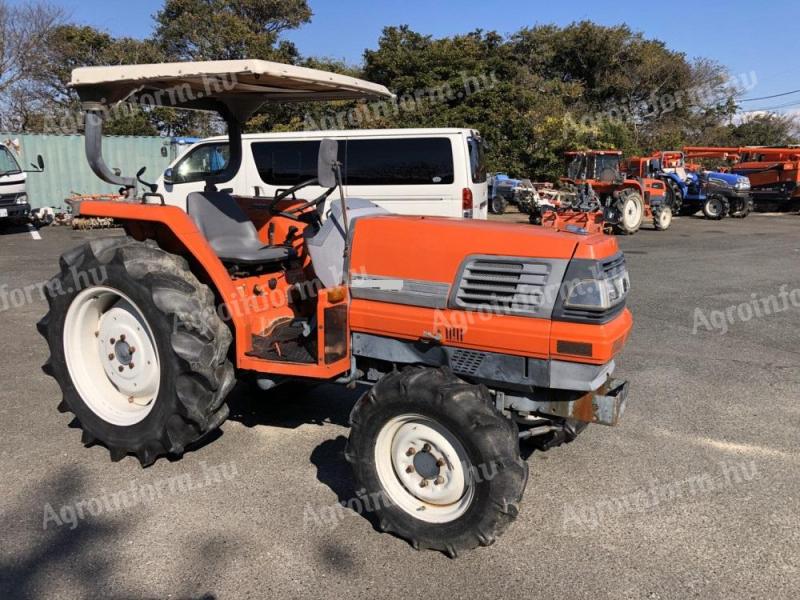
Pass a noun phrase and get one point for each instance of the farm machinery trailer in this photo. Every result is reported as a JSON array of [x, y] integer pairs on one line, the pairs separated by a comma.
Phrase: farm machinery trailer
[[689, 190], [773, 172], [469, 337]]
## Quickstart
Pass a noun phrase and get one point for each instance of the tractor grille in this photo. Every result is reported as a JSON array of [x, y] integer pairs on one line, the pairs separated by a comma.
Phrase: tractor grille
[[503, 285], [466, 362]]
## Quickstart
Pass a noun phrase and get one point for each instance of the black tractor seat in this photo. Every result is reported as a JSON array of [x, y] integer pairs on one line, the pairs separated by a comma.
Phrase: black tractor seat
[[230, 232]]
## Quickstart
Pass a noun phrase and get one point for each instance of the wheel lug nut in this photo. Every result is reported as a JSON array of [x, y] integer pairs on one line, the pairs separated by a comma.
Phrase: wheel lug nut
[[112, 341], [410, 469], [426, 448], [122, 338], [130, 366], [440, 463], [110, 357], [439, 480], [132, 349], [121, 369], [423, 483], [411, 452]]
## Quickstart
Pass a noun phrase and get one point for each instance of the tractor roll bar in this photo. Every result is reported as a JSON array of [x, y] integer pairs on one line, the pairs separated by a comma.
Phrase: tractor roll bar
[[93, 132]]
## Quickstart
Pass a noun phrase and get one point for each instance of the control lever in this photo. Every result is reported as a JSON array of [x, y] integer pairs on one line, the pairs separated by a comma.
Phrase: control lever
[[290, 235]]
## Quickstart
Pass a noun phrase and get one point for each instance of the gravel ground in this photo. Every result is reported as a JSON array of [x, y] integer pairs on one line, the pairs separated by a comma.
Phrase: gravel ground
[[694, 495]]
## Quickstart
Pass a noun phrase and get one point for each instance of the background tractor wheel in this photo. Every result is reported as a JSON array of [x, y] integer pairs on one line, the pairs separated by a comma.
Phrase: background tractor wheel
[[674, 196], [137, 348], [631, 213], [498, 205], [662, 218], [439, 462], [715, 207], [740, 208]]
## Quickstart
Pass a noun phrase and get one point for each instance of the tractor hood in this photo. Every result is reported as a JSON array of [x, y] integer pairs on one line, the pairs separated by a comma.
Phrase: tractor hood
[[434, 249], [727, 179]]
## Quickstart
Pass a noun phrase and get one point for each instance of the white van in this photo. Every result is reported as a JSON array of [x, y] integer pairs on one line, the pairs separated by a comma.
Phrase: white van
[[13, 199], [438, 172]]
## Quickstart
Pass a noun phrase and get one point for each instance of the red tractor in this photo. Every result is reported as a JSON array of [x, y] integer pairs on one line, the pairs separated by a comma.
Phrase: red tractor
[[466, 336], [597, 192]]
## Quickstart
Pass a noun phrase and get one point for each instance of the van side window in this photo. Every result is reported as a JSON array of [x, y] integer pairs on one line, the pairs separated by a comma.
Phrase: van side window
[[404, 161], [477, 160], [200, 163], [288, 163]]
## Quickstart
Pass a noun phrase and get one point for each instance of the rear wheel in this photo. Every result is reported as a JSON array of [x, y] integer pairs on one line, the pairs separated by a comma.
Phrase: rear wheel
[[438, 461], [675, 196], [137, 348], [631, 213], [662, 218], [715, 207]]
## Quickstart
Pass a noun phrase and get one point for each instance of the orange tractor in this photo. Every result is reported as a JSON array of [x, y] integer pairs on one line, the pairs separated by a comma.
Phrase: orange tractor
[[774, 172], [597, 195], [468, 337]]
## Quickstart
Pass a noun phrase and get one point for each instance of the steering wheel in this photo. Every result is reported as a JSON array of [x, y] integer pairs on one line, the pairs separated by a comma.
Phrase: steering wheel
[[296, 211]]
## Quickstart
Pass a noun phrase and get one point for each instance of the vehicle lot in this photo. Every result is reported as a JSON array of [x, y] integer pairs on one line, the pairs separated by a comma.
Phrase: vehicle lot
[[695, 494]]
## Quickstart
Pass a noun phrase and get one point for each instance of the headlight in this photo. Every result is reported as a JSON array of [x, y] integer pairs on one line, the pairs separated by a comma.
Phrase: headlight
[[743, 184], [598, 294], [22, 199]]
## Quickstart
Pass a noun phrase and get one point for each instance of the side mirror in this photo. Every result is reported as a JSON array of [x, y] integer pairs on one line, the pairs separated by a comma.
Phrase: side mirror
[[168, 176], [328, 163]]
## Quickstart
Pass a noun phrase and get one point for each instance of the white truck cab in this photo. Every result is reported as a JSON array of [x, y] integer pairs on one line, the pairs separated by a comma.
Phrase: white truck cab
[[13, 197], [437, 172]]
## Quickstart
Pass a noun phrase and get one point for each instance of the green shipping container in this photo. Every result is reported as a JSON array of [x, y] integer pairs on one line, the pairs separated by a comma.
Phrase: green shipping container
[[67, 171]]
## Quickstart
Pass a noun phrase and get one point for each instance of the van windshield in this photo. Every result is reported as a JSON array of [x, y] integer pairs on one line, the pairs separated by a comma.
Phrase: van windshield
[[8, 164]]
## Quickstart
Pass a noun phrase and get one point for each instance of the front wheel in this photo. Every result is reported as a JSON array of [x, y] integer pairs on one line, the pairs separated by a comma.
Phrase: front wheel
[[662, 218], [438, 463], [498, 205], [137, 347], [631, 213], [715, 207], [741, 207]]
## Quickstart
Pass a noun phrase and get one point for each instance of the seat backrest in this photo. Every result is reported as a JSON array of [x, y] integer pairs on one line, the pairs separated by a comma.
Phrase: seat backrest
[[219, 218], [326, 245]]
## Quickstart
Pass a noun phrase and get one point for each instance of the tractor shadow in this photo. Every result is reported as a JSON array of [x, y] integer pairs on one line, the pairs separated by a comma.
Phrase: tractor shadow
[[292, 404]]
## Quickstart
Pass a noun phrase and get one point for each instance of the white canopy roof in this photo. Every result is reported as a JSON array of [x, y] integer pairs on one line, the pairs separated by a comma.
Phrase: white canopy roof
[[241, 85]]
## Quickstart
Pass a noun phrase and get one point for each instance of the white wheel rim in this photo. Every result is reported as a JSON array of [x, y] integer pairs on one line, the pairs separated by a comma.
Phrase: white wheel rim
[[424, 469], [631, 213], [714, 207], [111, 356], [665, 217]]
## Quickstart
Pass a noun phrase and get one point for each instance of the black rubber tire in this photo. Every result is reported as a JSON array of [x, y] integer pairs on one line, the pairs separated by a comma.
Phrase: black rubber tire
[[741, 208], [634, 196], [191, 339], [725, 207], [488, 437], [498, 205], [662, 218], [675, 197]]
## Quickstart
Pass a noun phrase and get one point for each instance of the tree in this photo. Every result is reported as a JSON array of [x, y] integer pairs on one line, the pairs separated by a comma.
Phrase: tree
[[24, 30], [229, 29], [765, 129]]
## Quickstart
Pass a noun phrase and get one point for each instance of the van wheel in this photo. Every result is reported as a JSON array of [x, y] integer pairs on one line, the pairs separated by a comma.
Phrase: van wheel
[[137, 347], [439, 463]]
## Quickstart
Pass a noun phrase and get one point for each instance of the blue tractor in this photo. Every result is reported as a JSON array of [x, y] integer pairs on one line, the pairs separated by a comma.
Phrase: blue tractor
[[716, 194]]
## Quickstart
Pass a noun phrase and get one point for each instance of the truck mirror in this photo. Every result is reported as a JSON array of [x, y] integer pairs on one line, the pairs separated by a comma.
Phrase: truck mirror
[[327, 163], [168, 176]]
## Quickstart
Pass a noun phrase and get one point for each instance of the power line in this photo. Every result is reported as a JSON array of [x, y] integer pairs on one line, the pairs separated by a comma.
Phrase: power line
[[768, 97]]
